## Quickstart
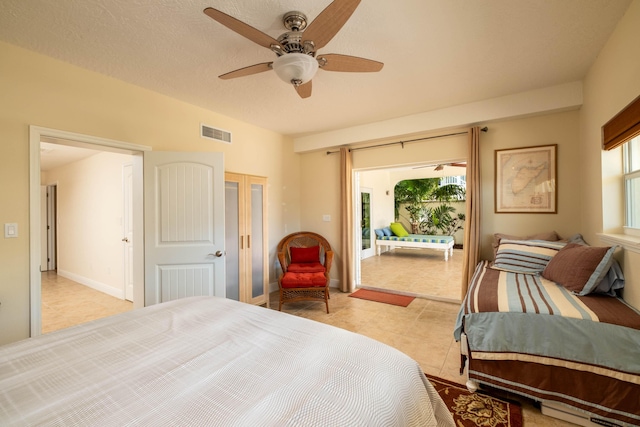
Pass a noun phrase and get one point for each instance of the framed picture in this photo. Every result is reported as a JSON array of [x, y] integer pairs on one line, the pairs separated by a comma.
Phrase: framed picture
[[526, 180]]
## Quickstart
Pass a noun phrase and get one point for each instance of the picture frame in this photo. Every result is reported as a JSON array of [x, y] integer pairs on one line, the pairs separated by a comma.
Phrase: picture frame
[[526, 180]]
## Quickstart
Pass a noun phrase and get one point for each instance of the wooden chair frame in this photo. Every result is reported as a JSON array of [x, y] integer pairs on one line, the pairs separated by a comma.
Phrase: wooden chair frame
[[304, 239]]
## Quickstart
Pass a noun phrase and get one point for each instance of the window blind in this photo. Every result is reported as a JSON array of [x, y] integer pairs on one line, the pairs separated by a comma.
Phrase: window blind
[[622, 127]]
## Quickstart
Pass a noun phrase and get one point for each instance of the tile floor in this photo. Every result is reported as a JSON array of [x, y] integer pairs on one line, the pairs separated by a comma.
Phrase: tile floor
[[423, 330], [66, 303], [422, 272]]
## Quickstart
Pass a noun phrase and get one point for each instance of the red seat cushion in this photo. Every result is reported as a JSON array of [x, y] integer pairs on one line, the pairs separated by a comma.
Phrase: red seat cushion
[[306, 267], [303, 280]]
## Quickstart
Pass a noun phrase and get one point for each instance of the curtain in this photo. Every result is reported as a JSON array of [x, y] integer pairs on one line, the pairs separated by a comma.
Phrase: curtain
[[346, 221], [472, 217]]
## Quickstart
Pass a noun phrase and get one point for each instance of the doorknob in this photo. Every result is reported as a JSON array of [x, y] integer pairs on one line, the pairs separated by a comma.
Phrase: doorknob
[[217, 254], [124, 239]]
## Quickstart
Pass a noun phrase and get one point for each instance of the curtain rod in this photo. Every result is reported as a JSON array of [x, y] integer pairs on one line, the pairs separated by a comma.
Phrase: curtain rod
[[484, 129]]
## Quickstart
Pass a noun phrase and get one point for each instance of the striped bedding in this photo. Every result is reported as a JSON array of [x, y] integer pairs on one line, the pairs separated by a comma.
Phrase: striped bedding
[[216, 362], [532, 336]]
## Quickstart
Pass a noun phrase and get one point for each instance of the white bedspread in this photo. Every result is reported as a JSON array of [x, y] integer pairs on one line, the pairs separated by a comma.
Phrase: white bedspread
[[215, 362]]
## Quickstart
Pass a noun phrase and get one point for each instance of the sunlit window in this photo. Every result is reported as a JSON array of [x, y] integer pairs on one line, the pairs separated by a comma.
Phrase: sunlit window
[[632, 183]]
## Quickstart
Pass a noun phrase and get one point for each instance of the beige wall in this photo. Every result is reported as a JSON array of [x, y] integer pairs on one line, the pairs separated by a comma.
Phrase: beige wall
[[90, 212], [37, 90], [612, 82], [561, 129]]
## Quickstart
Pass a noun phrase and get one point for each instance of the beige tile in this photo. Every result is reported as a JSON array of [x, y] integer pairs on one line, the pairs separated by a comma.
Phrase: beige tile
[[66, 303]]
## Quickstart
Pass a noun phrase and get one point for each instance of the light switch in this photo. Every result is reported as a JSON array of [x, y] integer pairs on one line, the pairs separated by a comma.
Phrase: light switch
[[326, 218], [10, 230]]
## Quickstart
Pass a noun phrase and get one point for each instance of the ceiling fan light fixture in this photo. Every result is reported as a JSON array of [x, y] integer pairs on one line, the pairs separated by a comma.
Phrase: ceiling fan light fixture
[[295, 68]]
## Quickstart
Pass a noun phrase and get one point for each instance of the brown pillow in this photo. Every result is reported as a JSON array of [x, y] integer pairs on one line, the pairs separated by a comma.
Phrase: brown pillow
[[579, 268], [550, 236]]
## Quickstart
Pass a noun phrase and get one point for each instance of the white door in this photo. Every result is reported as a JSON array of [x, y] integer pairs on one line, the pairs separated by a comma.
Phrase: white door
[[44, 263], [184, 225], [127, 229]]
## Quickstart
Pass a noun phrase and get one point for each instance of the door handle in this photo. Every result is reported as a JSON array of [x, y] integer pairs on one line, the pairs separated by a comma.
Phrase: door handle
[[218, 254], [126, 240]]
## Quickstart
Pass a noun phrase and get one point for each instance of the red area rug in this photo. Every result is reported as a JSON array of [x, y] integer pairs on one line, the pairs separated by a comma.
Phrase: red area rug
[[477, 409], [384, 297]]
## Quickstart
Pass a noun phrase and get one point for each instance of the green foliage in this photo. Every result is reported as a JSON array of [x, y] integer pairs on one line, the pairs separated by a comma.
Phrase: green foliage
[[439, 220], [413, 192]]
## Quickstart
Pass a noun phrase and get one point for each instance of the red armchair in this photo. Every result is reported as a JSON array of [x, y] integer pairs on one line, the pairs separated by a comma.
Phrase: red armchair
[[306, 259]]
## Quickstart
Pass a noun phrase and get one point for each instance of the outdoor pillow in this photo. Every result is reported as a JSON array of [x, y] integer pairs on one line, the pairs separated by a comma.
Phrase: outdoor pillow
[[398, 229], [310, 254], [387, 231], [379, 233], [580, 268], [525, 256]]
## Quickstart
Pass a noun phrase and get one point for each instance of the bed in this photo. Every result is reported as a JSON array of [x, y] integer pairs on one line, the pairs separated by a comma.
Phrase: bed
[[212, 361], [579, 355], [421, 241]]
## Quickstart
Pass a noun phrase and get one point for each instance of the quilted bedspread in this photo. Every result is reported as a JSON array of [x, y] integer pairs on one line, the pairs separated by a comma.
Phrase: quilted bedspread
[[212, 361]]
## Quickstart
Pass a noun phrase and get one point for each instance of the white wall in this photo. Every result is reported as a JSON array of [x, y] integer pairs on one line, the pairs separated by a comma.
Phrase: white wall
[[90, 214], [381, 197]]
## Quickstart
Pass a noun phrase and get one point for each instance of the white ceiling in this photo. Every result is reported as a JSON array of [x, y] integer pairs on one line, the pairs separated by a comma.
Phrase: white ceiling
[[54, 154], [437, 53]]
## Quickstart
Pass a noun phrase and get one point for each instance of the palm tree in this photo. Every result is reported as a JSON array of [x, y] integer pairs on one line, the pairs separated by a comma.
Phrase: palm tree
[[413, 193], [441, 220]]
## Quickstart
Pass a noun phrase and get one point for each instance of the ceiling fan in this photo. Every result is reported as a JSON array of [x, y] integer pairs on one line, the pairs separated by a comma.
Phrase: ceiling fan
[[297, 50], [441, 166]]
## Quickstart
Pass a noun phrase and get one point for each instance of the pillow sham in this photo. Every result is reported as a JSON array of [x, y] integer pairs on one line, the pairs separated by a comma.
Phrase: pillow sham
[[525, 256], [301, 255], [379, 233], [398, 229], [387, 231], [612, 282], [580, 268], [550, 236]]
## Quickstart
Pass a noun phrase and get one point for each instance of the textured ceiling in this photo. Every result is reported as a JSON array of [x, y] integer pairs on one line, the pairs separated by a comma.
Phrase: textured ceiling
[[437, 53]]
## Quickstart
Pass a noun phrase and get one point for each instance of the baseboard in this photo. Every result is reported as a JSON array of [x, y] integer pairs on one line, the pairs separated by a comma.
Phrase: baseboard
[[93, 284]]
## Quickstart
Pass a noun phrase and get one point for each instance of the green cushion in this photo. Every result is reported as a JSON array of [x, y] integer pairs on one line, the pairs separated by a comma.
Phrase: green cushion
[[398, 229]]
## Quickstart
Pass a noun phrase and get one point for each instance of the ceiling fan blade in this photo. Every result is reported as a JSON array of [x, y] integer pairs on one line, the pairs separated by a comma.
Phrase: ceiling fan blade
[[328, 23], [337, 62], [247, 71], [460, 165], [241, 28], [304, 90]]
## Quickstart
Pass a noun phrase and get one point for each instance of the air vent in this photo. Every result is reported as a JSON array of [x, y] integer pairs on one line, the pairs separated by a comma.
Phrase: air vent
[[219, 135]]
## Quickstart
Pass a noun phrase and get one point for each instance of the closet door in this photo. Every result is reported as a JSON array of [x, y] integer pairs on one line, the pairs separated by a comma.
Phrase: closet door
[[246, 238], [257, 251], [233, 229]]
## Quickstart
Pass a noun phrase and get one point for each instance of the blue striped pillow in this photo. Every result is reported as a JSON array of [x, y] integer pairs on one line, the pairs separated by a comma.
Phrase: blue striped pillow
[[525, 256]]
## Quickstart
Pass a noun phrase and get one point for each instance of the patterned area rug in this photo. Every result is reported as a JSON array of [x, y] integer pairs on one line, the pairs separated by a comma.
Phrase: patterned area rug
[[384, 297], [477, 409]]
